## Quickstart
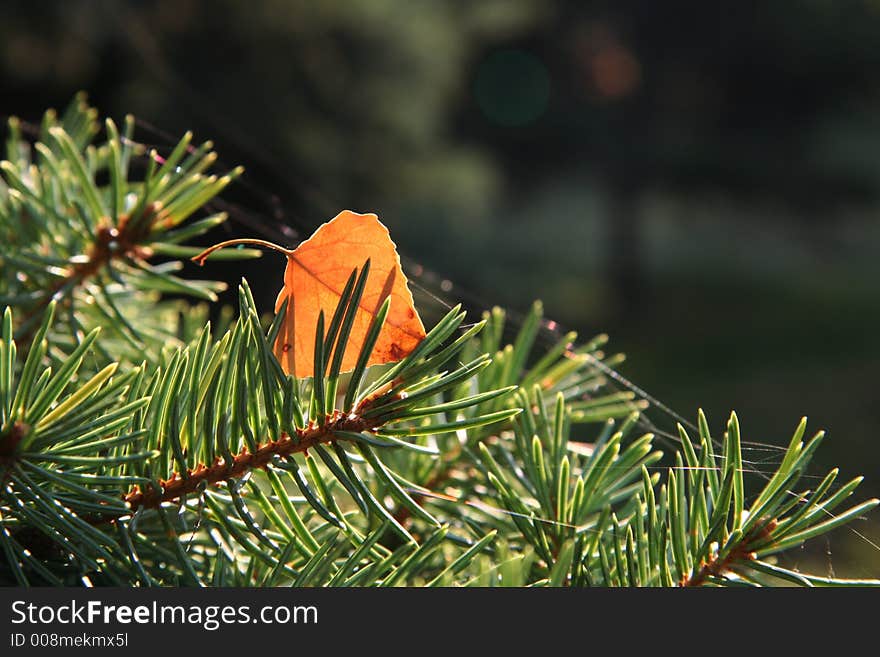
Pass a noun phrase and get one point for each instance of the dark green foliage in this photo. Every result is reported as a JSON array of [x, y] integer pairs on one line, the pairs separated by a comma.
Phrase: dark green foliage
[[138, 448]]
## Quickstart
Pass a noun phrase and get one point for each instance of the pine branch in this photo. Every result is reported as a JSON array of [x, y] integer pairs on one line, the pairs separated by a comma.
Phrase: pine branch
[[110, 243], [716, 567], [67, 237], [138, 448], [335, 427]]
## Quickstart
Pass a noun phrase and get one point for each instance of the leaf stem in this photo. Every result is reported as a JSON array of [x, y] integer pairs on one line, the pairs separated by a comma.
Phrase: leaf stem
[[201, 257]]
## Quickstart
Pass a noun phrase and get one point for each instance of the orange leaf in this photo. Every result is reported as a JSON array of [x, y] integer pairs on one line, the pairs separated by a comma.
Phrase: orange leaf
[[316, 274]]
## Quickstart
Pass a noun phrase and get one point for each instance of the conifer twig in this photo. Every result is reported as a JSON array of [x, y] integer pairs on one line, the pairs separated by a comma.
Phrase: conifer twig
[[741, 552], [179, 485], [111, 242]]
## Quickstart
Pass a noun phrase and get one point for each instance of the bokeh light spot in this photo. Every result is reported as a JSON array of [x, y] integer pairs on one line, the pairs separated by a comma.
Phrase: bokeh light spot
[[512, 88], [610, 68]]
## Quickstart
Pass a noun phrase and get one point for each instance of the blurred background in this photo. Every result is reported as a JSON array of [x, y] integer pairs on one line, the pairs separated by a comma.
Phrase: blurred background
[[700, 180]]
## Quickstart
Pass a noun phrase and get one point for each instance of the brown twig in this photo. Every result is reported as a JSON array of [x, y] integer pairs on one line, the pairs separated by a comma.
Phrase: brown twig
[[111, 242], [715, 567], [179, 485], [10, 440]]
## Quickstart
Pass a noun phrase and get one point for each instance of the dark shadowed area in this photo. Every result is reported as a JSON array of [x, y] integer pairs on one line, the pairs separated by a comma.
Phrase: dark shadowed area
[[699, 180]]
